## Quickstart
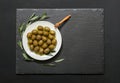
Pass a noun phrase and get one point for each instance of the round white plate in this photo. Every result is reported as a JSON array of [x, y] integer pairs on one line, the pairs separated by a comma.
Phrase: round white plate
[[34, 26]]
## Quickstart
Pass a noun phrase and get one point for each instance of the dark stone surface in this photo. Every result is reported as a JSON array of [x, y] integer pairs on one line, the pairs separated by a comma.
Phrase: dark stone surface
[[83, 42]]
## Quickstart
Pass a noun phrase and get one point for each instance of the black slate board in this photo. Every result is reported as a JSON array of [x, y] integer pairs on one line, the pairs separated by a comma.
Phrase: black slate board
[[83, 42]]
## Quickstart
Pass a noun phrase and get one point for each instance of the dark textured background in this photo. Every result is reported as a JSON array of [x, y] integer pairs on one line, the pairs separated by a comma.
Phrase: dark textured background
[[83, 42], [7, 46]]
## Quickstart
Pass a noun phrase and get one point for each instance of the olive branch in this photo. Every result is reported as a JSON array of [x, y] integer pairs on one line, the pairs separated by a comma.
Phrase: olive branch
[[21, 30]]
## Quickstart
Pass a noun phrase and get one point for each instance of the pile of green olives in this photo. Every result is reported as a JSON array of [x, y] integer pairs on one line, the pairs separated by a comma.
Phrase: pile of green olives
[[42, 40]]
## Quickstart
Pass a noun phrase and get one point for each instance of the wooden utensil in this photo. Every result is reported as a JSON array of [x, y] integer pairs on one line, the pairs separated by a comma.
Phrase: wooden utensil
[[62, 21]]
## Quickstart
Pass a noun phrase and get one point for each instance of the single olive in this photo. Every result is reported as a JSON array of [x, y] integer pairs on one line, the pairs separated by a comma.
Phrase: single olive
[[45, 33], [47, 29], [47, 50], [35, 43], [40, 32], [51, 36], [38, 37], [44, 45], [54, 41], [44, 38], [52, 32], [48, 41], [29, 35], [40, 42], [30, 41], [33, 37], [31, 47], [36, 49], [51, 47], [41, 50], [34, 31], [40, 28]]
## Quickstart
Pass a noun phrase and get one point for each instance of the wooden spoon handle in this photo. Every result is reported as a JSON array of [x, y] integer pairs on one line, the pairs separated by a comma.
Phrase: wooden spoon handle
[[62, 21]]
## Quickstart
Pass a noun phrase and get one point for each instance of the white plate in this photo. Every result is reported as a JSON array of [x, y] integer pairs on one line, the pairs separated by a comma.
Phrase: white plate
[[25, 40]]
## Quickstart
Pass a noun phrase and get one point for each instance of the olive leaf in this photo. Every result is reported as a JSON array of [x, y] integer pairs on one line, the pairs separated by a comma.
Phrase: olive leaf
[[53, 51], [20, 44], [26, 57], [49, 64], [44, 16], [21, 34], [28, 23], [34, 18], [32, 15], [21, 27], [59, 60]]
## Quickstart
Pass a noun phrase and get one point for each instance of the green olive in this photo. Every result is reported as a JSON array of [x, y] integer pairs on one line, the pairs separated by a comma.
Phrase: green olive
[[34, 31], [30, 41], [41, 50], [51, 36], [40, 28], [40, 42], [47, 50], [36, 49], [54, 41], [44, 38], [40, 32], [38, 37], [47, 29], [31, 47], [51, 47], [44, 45], [35, 43], [29, 35], [45, 33], [48, 41], [33, 37], [52, 32]]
